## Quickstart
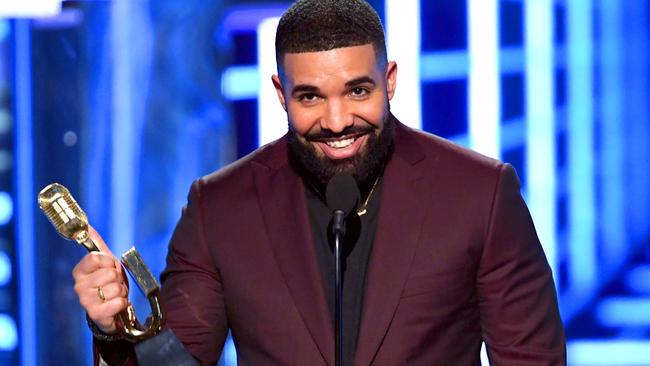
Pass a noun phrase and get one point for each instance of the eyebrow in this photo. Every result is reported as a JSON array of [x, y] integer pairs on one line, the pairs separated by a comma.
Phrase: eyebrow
[[360, 80], [306, 88], [303, 88]]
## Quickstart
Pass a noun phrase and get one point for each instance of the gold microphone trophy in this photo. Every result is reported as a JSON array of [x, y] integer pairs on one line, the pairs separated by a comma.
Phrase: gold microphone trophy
[[71, 222]]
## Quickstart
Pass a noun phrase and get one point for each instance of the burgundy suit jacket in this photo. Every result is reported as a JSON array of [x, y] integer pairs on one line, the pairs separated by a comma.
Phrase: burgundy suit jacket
[[455, 261]]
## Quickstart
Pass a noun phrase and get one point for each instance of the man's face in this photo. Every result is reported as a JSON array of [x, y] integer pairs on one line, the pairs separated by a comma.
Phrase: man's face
[[337, 105]]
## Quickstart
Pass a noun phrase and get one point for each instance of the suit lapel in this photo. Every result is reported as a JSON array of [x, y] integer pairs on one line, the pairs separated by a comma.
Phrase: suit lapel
[[282, 197], [400, 219]]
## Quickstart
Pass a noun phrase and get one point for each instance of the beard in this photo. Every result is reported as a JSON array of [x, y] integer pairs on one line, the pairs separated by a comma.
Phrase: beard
[[364, 167]]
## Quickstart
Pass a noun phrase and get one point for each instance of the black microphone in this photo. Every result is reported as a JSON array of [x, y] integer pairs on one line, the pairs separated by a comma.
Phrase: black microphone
[[342, 196]]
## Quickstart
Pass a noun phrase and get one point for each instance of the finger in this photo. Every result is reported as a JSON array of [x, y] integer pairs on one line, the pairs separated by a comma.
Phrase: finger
[[113, 290], [88, 292], [99, 242], [104, 314], [91, 262], [90, 297], [97, 239], [102, 277]]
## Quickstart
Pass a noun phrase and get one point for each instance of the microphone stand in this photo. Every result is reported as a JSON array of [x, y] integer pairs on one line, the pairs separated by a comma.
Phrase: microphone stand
[[339, 231]]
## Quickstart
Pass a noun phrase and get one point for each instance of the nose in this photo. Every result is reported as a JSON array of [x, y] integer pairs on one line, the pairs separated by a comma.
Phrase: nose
[[337, 116]]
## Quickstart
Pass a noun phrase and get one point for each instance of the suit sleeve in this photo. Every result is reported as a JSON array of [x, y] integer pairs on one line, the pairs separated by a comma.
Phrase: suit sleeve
[[192, 291], [517, 299], [192, 294]]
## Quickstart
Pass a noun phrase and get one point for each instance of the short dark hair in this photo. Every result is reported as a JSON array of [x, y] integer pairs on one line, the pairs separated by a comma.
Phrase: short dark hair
[[323, 25]]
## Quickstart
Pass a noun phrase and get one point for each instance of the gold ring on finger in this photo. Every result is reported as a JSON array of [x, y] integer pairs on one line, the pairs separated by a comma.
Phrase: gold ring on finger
[[101, 294]]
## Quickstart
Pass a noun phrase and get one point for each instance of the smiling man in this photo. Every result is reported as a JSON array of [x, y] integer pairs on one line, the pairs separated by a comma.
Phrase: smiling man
[[440, 256], [337, 99]]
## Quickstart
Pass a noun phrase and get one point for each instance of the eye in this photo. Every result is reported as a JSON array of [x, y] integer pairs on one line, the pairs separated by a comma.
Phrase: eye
[[359, 92], [308, 98]]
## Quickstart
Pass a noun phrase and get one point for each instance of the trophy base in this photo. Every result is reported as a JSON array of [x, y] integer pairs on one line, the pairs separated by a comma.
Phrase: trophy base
[[162, 350]]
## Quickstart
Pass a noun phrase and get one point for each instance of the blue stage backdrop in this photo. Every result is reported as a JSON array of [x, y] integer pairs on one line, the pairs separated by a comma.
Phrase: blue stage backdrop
[[126, 102]]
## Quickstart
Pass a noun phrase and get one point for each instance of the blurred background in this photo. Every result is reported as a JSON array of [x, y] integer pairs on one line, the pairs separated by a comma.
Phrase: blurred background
[[127, 102]]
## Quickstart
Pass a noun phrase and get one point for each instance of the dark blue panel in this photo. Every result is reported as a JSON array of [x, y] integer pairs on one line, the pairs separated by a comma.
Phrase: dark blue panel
[[245, 115], [444, 108], [512, 96], [511, 24], [444, 25], [379, 7], [586, 327], [245, 48], [559, 31]]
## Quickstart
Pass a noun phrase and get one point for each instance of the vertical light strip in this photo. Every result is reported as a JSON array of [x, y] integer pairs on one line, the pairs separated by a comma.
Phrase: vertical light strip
[[25, 194], [611, 131], [403, 43], [540, 134], [271, 117], [484, 81], [580, 141], [637, 82], [123, 124]]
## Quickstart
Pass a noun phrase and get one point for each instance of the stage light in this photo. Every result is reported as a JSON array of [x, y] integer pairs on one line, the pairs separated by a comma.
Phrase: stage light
[[29, 8], [25, 193], [580, 142], [540, 118], [241, 82], [8, 333], [443, 66], [612, 131], [608, 353], [403, 44], [5, 269], [5, 121], [624, 312], [4, 29], [6, 208], [484, 99], [70, 138], [272, 118]]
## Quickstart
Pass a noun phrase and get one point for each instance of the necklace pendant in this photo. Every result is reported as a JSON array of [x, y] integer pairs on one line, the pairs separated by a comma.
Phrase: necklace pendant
[[362, 211]]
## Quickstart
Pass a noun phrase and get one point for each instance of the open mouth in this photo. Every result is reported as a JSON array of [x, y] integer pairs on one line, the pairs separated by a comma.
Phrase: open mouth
[[342, 147], [342, 143]]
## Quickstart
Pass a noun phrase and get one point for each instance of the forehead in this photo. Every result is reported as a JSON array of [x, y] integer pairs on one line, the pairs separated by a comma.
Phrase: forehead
[[340, 63]]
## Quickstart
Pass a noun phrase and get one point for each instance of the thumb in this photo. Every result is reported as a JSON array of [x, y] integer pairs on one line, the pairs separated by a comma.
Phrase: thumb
[[101, 245], [99, 242]]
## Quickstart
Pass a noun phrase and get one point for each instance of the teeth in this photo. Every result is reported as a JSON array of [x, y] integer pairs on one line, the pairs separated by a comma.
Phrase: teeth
[[340, 144]]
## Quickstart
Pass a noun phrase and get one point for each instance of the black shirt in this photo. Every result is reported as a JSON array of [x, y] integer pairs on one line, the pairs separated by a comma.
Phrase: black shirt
[[357, 247]]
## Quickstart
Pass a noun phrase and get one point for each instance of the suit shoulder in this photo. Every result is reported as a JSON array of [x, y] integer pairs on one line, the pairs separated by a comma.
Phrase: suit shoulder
[[238, 174], [446, 153]]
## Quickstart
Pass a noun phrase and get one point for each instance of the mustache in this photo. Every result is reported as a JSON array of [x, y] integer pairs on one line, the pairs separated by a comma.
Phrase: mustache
[[350, 130]]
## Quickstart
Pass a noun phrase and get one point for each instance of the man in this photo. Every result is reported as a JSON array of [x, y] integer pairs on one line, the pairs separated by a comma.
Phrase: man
[[441, 254]]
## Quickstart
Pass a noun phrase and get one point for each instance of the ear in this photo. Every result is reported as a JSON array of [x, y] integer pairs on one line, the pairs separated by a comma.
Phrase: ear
[[278, 89], [391, 79]]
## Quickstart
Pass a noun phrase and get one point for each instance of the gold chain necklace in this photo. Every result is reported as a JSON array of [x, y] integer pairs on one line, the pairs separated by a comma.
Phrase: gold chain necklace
[[364, 207]]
